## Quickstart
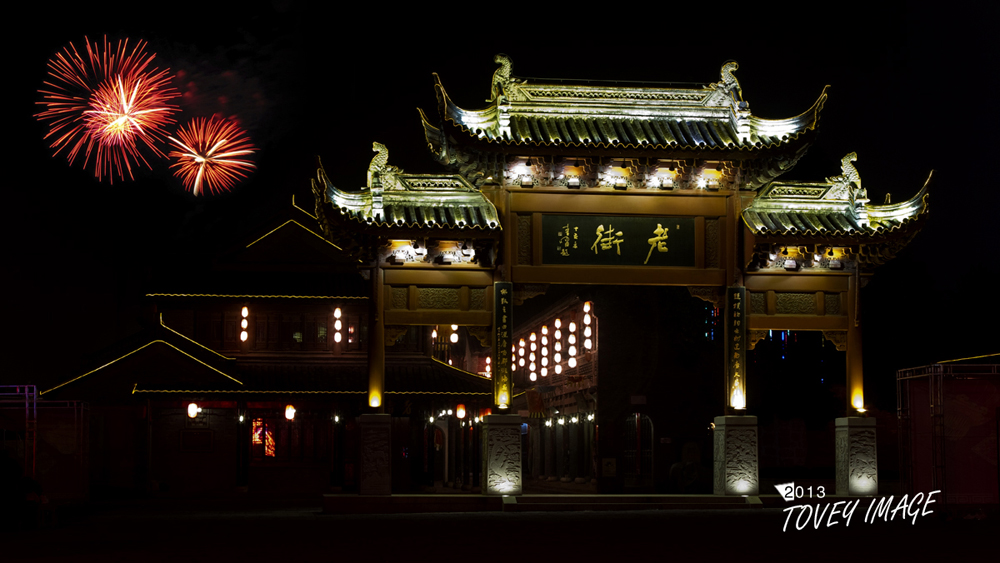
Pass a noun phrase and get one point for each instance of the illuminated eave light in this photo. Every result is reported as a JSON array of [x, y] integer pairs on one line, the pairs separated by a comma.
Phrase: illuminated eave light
[[289, 412], [193, 410]]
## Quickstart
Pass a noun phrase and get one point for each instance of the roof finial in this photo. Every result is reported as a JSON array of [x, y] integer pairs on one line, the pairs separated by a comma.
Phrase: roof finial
[[379, 168], [500, 77], [729, 81]]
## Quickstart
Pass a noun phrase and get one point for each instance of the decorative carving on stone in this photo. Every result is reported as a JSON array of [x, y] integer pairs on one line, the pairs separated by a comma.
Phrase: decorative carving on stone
[[713, 295], [712, 243], [831, 303], [437, 298], [393, 332], [741, 459], [789, 303], [755, 336], [524, 239], [484, 334], [838, 338], [477, 299], [503, 463], [399, 297], [863, 464], [735, 456], [857, 465], [375, 476]]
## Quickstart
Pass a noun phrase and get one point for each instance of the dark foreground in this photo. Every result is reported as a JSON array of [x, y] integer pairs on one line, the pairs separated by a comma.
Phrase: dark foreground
[[297, 531]]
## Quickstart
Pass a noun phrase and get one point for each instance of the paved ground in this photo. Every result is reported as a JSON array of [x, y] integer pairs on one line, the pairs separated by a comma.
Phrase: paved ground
[[295, 531]]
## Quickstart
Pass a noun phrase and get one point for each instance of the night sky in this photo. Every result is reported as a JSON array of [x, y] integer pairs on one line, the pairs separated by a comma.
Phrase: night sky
[[910, 92]]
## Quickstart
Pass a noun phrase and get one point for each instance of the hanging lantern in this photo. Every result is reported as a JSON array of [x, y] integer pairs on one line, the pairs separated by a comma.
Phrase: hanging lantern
[[193, 410], [460, 410], [289, 412]]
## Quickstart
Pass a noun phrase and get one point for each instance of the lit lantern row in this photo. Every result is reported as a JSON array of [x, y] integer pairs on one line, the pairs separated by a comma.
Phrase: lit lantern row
[[193, 410], [534, 355], [460, 413], [572, 420], [244, 324], [338, 325]]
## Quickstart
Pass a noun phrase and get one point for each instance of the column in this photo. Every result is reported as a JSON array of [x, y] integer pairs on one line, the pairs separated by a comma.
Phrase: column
[[561, 473], [735, 456], [477, 451], [459, 454], [855, 375], [467, 457], [453, 435], [535, 435], [502, 460], [376, 477], [857, 467], [575, 429], [376, 342], [550, 451]]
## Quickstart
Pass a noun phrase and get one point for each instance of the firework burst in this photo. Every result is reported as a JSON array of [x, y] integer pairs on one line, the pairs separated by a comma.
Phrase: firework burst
[[208, 154], [109, 102]]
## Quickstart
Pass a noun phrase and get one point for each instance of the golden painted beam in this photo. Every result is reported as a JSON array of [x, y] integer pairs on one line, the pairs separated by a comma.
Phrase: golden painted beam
[[624, 203], [799, 282], [438, 277], [618, 275]]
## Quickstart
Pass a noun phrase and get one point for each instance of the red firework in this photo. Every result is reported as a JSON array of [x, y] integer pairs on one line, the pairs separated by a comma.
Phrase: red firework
[[207, 151], [109, 100]]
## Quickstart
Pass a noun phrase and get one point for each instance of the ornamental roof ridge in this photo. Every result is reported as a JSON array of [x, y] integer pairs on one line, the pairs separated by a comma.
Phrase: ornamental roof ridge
[[831, 209], [659, 117], [410, 200]]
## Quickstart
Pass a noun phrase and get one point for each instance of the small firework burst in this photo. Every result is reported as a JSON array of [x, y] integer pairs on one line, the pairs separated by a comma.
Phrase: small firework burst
[[208, 154], [109, 102]]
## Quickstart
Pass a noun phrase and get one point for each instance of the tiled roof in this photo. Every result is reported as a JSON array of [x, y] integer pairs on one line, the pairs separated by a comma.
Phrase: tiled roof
[[816, 210], [588, 116], [418, 201]]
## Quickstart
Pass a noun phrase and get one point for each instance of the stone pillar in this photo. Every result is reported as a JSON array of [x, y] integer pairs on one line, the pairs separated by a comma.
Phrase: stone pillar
[[453, 435], [459, 454], [502, 454], [736, 455], [535, 435], [857, 468], [560, 430], [376, 462], [574, 452], [467, 463], [477, 460], [550, 452]]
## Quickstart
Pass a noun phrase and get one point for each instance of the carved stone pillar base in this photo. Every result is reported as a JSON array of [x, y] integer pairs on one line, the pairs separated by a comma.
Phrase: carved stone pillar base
[[736, 455], [502, 454], [376, 466], [857, 469]]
